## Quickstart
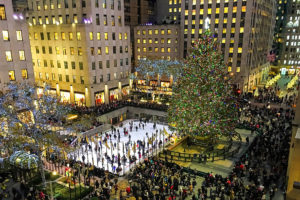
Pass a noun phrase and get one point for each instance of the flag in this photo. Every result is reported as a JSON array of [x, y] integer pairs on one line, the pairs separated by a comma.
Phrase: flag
[[87, 139], [106, 145], [65, 155], [128, 153], [166, 133], [150, 140], [92, 139], [79, 140], [134, 147]]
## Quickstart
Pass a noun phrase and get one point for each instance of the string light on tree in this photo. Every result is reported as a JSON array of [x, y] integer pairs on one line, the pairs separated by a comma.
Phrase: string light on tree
[[203, 102]]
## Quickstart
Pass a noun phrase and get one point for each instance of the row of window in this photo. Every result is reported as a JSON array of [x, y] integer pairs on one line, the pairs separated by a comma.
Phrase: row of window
[[155, 31], [93, 50], [65, 4], [12, 76], [171, 2], [5, 35], [67, 78], [9, 58], [2, 12], [73, 64], [209, 11], [67, 20], [162, 41], [156, 49], [70, 35]]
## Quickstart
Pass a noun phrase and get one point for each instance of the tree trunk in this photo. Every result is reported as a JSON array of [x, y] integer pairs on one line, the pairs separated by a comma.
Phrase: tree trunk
[[41, 168]]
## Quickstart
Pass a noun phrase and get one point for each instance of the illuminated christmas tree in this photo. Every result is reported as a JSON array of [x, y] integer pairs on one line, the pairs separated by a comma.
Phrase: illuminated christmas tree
[[203, 103]]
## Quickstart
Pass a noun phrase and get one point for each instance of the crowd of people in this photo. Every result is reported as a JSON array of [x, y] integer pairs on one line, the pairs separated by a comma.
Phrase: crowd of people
[[114, 105]]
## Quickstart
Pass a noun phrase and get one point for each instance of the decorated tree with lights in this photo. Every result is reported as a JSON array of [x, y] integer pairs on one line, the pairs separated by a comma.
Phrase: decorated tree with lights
[[203, 103], [27, 122]]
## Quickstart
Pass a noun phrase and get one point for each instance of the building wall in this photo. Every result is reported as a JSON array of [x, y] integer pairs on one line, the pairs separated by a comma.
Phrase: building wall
[[14, 67], [244, 28], [291, 36], [157, 42], [95, 62], [168, 11], [139, 12]]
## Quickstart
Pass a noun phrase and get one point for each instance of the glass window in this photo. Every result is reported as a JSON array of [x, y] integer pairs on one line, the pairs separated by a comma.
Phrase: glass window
[[63, 35], [70, 36], [5, 35], [8, 56], [2, 12], [19, 35], [24, 74], [22, 55], [91, 36], [78, 36], [11, 75]]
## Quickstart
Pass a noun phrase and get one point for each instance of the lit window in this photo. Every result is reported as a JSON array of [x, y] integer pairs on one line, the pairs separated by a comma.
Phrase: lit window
[[19, 35], [138, 32], [150, 32], [106, 36], [229, 69], [98, 36], [120, 36], [169, 31], [244, 8], [162, 49], [22, 55], [11, 75], [150, 41], [242, 30], [169, 41], [5, 35], [238, 69], [155, 31], [70, 36], [162, 41], [63, 36], [138, 41], [162, 32], [55, 36], [91, 36], [240, 50], [24, 74], [138, 49], [57, 50], [8, 56], [169, 50], [2, 12], [144, 41], [78, 36], [106, 50], [125, 36]]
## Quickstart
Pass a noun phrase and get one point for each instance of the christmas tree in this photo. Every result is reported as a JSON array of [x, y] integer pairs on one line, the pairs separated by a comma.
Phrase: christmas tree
[[203, 103]]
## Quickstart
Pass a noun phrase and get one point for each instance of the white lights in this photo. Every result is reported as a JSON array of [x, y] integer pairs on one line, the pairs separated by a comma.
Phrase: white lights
[[18, 16], [87, 21]]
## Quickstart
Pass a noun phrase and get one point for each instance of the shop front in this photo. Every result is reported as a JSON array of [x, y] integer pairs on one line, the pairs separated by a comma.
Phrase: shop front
[[99, 98], [113, 94], [141, 82], [125, 90], [65, 97], [165, 84], [153, 83], [79, 99], [40, 92], [52, 92]]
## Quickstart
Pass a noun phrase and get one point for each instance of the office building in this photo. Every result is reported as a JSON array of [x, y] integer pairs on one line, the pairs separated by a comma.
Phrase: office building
[[157, 42], [168, 11], [244, 28], [281, 20], [139, 12], [290, 58], [15, 55], [81, 49]]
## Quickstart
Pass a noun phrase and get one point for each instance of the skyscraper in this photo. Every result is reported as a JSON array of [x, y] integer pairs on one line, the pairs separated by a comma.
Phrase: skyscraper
[[291, 37], [244, 28], [15, 55], [80, 48]]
